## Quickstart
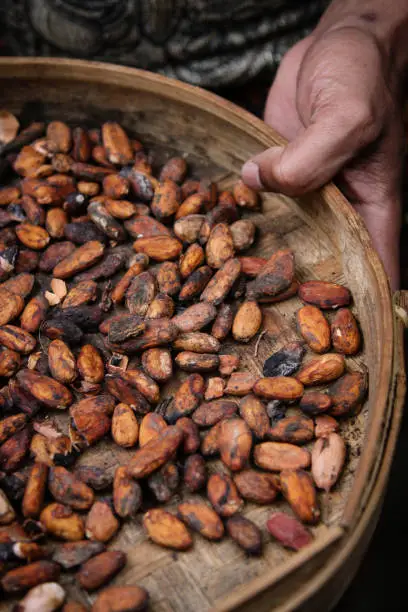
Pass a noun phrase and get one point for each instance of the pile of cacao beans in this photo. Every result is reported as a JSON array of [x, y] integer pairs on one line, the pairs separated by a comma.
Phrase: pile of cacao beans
[[114, 277]]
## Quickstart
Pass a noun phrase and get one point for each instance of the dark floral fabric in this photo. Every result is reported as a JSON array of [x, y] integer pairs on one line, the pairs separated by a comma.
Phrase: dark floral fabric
[[210, 43]]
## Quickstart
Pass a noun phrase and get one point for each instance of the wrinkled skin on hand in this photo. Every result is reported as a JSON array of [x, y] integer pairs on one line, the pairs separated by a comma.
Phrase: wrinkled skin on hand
[[335, 98]]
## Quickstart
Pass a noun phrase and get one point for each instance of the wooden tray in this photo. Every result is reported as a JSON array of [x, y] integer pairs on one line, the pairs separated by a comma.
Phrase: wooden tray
[[330, 243]]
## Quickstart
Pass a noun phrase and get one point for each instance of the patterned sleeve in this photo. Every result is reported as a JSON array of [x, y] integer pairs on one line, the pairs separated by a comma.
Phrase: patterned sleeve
[[204, 42]]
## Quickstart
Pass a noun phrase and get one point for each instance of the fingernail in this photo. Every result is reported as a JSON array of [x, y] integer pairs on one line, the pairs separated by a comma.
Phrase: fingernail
[[250, 175]]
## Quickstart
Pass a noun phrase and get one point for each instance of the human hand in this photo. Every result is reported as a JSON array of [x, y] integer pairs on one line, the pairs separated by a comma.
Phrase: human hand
[[335, 99]]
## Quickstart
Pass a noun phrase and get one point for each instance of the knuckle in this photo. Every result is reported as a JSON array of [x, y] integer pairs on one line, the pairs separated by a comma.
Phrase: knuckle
[[291, 179], [363, 120]]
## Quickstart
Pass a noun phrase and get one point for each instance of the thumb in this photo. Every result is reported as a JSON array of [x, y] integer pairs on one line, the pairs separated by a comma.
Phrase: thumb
[[314, 156]]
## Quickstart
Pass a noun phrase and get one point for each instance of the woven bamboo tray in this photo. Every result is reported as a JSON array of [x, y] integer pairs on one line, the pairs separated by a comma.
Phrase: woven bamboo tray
[[330, 243]]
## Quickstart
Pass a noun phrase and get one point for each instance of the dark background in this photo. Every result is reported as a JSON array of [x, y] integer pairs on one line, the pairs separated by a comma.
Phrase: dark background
[[380, 584]]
